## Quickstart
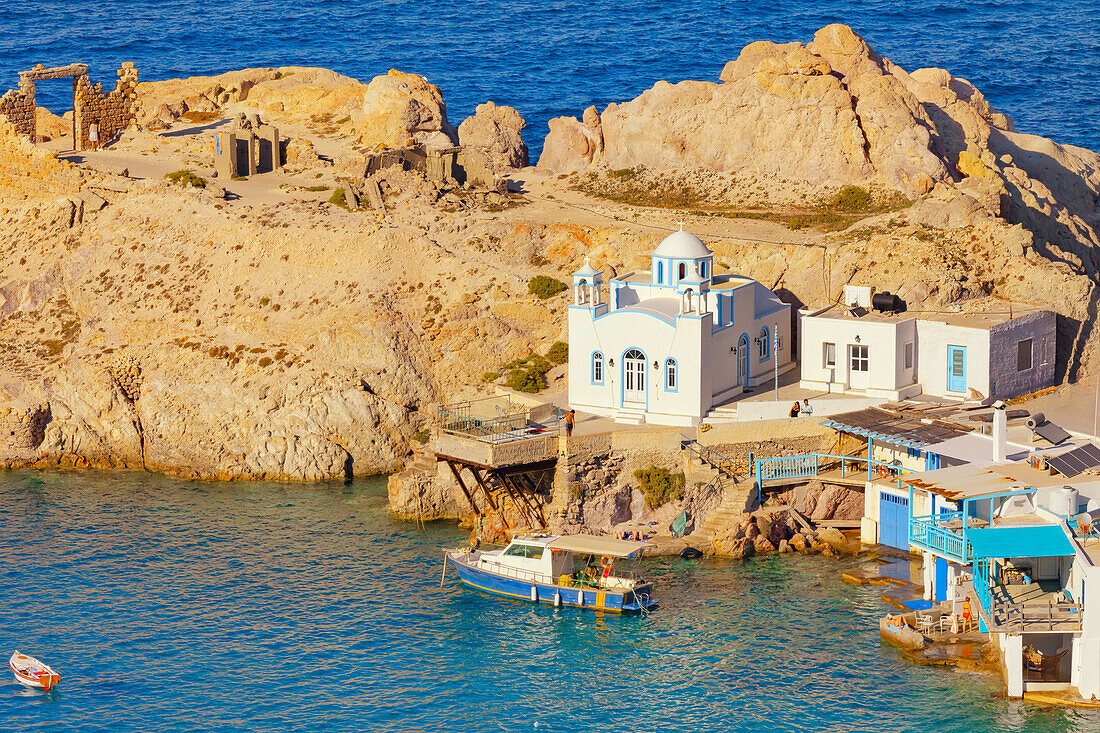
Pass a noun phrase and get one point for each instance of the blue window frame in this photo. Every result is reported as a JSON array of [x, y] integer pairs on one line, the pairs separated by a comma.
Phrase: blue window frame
[[670, 375], [703, 269], [765, 344], [660, 273], [597, 367], [683, 272]]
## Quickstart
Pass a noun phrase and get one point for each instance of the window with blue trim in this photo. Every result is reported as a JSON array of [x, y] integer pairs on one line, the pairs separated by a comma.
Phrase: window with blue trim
[[683, 271], [597, 367], [670, 375], [703, 269], [764, 344], [660, 273]]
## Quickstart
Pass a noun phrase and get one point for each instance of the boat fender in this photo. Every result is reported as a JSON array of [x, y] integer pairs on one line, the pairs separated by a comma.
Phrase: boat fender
[[557, 599], [534, 593], [690, 553]]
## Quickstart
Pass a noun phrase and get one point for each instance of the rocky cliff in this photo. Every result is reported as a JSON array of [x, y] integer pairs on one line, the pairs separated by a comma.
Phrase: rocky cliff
[[259, 328]]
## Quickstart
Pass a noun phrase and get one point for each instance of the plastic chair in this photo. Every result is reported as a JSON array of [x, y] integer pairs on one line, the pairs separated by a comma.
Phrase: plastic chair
[[924, 622]]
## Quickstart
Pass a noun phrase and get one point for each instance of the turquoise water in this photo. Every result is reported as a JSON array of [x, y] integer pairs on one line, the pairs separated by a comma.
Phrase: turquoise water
[[1034, 59], [172, 605]]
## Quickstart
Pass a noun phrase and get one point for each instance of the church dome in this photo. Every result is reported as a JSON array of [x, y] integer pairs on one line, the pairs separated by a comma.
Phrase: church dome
[[682, 245]]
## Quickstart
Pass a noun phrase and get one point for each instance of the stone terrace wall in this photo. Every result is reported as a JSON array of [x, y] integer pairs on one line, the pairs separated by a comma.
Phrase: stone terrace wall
[[18, 107], [113, 111]]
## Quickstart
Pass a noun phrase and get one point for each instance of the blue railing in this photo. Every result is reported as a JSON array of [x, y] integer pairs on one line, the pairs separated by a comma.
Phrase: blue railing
[[981, 585], [786, 467], [927, 532]]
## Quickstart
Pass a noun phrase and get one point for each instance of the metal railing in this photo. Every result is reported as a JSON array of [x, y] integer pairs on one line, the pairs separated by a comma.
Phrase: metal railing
[[927, 532], [724, 464]]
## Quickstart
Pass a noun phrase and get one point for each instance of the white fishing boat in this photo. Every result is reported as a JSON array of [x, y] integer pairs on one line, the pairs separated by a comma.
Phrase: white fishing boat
[[33, 673], [571, 570]]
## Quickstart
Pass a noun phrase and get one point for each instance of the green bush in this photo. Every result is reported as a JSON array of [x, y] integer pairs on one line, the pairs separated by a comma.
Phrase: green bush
[[558, 353], [422, 436], [527, 374], [659, 486], [852, 198], [490, 376], [545, 287], [339, 197], [186, 178]]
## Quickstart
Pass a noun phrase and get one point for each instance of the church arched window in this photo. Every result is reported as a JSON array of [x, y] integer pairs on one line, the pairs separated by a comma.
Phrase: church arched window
[[660, 273], [703, 269], [764, 344], [597, 367], [670, 375], [683, 271]]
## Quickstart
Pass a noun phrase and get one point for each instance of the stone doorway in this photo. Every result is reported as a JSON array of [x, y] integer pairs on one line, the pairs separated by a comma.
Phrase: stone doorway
[[113, 111]]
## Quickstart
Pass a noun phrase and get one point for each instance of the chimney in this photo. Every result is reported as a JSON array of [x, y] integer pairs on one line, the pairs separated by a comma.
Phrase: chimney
[[1000, 432]]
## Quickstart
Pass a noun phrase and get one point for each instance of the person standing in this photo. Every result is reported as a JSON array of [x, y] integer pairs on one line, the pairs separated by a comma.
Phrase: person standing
[[968, 618], [570, 421], [806, 409], [93, 135]]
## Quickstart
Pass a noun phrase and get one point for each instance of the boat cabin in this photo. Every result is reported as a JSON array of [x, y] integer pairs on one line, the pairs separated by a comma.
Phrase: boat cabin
[[565, 560]]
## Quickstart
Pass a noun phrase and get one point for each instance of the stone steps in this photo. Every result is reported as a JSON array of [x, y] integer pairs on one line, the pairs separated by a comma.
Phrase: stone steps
[[735, 501]]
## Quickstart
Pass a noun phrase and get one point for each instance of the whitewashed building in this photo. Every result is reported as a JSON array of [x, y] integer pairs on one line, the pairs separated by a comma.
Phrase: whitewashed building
[[670, 344], [998, 352]]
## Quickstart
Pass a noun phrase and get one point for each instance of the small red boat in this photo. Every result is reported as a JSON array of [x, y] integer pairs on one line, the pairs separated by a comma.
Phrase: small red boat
[[33, 673]]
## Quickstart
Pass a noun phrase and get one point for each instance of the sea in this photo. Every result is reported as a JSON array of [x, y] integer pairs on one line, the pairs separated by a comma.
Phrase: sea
[[171, 605], [1035, 60]]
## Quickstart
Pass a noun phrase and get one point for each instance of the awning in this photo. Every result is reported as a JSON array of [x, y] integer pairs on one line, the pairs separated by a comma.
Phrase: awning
[[1042, 540], [587, 544]]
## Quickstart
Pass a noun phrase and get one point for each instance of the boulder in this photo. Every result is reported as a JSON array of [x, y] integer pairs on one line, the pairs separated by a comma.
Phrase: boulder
[[398, 108], [495, 131], [784, 546], [761, 545], [798, 542], [832, 536]]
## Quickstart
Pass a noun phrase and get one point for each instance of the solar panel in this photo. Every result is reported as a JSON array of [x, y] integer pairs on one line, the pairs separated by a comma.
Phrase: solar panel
[[1076, 461], [1051, 432]]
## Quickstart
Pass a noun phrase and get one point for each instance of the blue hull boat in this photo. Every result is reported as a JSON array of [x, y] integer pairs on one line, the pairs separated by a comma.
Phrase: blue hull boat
[[542, 569]]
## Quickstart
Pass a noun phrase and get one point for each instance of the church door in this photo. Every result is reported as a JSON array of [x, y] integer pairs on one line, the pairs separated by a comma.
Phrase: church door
[[634, 376], [743, 361]]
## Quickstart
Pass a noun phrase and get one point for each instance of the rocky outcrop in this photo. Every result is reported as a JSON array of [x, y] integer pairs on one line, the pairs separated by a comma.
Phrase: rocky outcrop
[[495, 131], [817, 501]]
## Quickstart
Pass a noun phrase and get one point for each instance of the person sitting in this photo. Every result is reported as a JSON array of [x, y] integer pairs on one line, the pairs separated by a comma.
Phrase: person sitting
[[795, 409]]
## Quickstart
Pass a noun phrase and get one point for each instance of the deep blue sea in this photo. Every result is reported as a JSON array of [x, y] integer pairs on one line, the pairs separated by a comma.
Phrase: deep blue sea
[[1034, 59], [171, 605]]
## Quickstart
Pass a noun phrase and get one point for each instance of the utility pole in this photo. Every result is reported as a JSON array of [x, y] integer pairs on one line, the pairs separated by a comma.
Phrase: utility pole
[[775, 358]]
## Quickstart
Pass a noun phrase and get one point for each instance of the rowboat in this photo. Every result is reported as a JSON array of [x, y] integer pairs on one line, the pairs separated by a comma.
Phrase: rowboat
[[33, 673], [558, 569]]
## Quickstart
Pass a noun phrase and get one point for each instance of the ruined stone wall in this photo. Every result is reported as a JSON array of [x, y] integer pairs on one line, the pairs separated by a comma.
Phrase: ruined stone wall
[[21, 430], [30, 172], [17, 105], [113, 111]]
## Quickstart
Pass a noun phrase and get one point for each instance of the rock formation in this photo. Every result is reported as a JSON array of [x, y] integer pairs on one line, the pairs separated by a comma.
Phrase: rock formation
[[495, 131]]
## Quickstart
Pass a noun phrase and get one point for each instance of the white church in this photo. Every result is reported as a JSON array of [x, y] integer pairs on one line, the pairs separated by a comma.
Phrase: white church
[[669, 345]]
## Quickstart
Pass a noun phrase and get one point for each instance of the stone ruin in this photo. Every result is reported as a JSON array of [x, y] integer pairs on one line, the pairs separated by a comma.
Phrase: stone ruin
[[113, 111], [248, 148], [454, 165]]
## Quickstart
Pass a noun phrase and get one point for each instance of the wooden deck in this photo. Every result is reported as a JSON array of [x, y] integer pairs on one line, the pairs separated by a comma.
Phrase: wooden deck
[[855, 479]]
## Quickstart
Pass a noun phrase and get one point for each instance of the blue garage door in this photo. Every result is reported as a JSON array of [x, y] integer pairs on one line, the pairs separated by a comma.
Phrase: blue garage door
[[893, 521]]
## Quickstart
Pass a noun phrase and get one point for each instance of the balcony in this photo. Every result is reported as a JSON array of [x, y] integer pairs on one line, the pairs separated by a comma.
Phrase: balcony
[[943, 534]]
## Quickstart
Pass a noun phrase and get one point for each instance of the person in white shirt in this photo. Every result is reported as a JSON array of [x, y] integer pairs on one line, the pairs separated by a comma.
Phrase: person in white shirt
[[93, 135], [806, 409]]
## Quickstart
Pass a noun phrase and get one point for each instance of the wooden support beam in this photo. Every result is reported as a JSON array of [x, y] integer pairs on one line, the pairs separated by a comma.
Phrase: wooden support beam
[[481, 482], [462, 484]]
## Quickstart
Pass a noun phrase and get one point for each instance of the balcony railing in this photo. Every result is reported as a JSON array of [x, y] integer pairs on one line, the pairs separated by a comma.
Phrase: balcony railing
[[929, 532]]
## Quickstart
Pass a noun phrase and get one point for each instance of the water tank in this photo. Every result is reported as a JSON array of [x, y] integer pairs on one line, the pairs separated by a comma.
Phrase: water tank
[[1063, 501], [1036, 420], [887, 302]]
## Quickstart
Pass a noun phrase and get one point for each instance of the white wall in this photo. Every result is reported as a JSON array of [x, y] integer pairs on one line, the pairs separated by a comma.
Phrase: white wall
[[885, 340], [933, 339]]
